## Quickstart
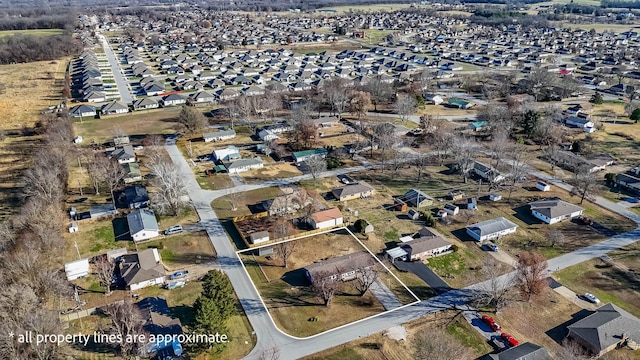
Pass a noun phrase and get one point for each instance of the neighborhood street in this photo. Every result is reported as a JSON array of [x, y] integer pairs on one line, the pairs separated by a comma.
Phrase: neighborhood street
[[290, 347], [118, 76]]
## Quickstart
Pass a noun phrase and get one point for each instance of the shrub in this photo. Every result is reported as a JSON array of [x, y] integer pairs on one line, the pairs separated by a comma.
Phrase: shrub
[[360, 225]]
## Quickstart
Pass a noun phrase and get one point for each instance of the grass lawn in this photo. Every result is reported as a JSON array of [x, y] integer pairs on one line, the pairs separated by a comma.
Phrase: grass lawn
[[180, 251], [223, 209], [270, 172], [34, 32], [287, 294], [161, 121], [466, 335], [610, 284]]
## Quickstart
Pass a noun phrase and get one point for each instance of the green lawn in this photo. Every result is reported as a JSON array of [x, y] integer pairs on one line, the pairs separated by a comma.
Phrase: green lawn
[[467, 336], [36, 32]]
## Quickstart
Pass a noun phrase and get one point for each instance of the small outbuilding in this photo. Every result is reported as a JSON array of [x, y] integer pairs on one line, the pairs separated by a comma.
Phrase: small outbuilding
[[73, 227], [543, 186], [259, 237], [76, 269]]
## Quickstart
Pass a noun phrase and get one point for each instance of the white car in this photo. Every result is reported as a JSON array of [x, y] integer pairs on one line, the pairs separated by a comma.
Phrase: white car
[[591, 298]]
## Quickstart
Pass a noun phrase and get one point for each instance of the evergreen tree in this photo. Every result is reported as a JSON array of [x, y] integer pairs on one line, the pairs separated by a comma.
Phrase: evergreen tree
[[635, 115], [214, 307], [597, 98]]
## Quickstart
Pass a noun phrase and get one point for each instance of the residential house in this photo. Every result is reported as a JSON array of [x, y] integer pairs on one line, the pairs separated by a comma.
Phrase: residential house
[[287, 203], [145, 103], [160, 323], [554, 210], [353, 191], [143, 225], [451, 209], [326, 218], [201, 97], [417, 198], [578, 122], [219, 135], [100, 211], [341, 267], [142, 269], [433, 99], [487, 172], [524, 351], [478, 125], [460, 104], [124, 154], [136, 196], [173, 99], [227, 154], [301, 156], [606, 329], [430, 243], [115, 107], [82, 111], [131, 173], [491, 229], [629, 180], [242, 165]]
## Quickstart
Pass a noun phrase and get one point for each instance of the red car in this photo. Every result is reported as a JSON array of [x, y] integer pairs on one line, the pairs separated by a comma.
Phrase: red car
[[492, 324], [509, 339]]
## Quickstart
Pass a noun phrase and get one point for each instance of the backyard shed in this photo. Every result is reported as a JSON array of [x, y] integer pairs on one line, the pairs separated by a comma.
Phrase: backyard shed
[[76, 269]]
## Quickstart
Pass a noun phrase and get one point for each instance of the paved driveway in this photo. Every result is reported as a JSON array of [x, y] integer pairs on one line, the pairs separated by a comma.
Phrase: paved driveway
[[425, 274]]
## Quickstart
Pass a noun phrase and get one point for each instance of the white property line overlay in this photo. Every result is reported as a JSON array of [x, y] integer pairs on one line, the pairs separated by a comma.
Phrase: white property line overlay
[[335, 328]]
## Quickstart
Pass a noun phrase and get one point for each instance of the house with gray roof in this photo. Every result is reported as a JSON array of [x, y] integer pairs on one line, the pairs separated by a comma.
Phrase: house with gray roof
[[115, 107], [219, 135], [142, 269], [491, 229], [82, 111], [606, 329], [145, 103], [124, 154], [340, 267], [136, 196], [131, 173], [554, 210], [242, 165], [353, 191], [143, 225], [525, 351]]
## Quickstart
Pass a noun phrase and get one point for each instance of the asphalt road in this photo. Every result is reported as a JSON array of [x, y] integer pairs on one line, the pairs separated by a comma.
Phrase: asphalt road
[[290, 347], [118, 76]]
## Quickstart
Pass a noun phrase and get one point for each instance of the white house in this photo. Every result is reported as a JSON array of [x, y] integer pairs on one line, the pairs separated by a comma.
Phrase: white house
[[226, 154], [242, 165], [82, 111], [115, 107], [554, 210], [142, 269], [124, 155], [326, 218], [219, 135], [173, 99], [433, 98], [487, 172], [76, 269], [143, 225], [491, 229]]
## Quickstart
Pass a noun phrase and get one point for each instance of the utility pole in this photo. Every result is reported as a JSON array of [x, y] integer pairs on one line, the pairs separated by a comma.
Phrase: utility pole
[[75, 244], [80, 187]]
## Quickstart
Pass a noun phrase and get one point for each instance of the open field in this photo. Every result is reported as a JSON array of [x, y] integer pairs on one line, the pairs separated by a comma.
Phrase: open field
[[372, 8], [381, 347], [138, 124], [34, 32], [598, 27], [609, 283], [25, 91], [287, 293]]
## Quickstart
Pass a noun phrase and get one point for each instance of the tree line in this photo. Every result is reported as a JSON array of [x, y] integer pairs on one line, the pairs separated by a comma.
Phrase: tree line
[[66, 21], [27, 48], [31, 247]]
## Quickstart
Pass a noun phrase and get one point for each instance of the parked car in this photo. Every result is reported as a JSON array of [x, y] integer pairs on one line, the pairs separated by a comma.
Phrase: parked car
[[175, 285], [493, 247], [509, 339], [591, 298], [584, 220], [492, 324], [171, 230], [179, 275]]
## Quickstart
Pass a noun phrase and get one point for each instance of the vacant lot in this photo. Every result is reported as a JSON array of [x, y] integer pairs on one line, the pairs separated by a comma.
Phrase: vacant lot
[[25, 91], [380, 347], [287, 293], [183, 250], [136, 125]]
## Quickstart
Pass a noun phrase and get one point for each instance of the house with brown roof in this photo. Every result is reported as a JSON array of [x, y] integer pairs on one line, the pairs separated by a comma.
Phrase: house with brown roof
[[341, 267], [425, 244], [141, 269], [353, 191], [326, 218]]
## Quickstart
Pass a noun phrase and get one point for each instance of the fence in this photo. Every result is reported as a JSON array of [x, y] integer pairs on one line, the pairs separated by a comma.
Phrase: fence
[[84, 313]]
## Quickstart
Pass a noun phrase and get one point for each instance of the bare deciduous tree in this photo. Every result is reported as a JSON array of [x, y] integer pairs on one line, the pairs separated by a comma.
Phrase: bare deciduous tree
[[171, 190], [385, 137], [126, 322], [379, 90], [233, 199], [316, 165], [304, 134], [152, 148], [517, 167], [336, 94], [325, 286], [404, 106], [192, 120], [104, 270], [359, 104], [531, 274], [284, 250], [463, 155], [46, 179], [585, 183], [420, 162], [555, 237], [496, 290], [114, 173], [97, 171], [571, 350], [365, 277]]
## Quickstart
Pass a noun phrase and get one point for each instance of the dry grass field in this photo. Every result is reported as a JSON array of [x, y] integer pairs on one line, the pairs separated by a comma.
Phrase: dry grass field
[[25, 91]]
